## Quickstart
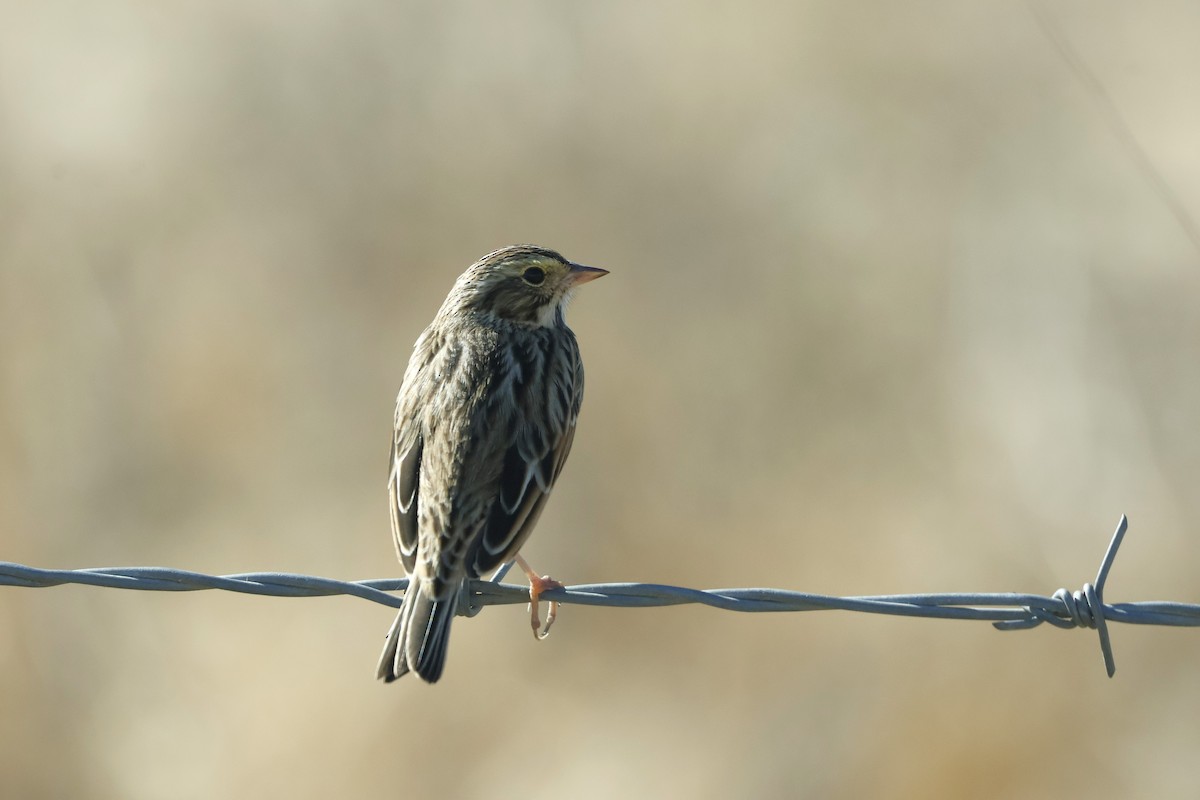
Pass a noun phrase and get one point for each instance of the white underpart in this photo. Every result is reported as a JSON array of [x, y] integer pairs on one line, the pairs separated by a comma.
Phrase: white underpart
[[548, 312]]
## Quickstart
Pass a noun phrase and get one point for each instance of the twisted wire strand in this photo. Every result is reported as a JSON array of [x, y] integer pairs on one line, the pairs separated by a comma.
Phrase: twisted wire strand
[[1006, 610]]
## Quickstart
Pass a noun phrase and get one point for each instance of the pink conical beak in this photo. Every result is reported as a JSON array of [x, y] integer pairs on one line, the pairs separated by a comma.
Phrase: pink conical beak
[[581, 274]]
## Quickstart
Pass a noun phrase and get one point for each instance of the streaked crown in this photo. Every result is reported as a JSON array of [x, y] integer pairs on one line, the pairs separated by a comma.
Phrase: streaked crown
[[523, 283]]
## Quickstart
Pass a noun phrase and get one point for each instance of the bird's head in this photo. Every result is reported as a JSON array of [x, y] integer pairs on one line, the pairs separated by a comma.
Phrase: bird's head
[[524, 284]]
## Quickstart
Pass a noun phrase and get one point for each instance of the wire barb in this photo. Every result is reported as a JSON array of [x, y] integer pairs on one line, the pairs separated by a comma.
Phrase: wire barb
[[1007, 611], [1082, 609]]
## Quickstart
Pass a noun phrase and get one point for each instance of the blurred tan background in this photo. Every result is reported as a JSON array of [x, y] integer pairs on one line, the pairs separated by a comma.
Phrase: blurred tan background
[[899, 302]]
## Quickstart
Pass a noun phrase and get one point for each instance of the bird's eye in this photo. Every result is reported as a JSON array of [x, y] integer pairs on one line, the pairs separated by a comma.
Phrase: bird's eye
[[534, 276]]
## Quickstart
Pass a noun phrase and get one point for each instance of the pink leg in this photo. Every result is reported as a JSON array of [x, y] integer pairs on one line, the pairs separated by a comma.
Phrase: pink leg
[[537, 585]]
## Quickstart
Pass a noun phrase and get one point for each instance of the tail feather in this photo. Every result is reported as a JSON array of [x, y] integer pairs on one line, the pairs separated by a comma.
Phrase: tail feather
[[419, 637], [391, 663]]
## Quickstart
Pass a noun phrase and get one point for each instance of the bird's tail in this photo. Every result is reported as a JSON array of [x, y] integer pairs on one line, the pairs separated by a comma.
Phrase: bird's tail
[[419, 636]]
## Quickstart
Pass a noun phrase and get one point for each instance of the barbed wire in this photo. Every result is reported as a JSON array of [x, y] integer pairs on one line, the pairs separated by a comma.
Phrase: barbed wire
[[1005, 610]]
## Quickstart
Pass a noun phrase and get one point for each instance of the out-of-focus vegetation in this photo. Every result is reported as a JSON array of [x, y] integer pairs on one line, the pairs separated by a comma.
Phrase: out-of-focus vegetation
[[893, 307]]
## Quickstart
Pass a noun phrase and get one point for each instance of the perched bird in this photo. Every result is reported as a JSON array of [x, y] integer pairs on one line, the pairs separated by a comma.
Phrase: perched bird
[[484, 421]]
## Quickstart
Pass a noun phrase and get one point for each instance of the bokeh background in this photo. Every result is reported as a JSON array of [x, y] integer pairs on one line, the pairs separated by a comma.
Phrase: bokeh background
[[904, 297]]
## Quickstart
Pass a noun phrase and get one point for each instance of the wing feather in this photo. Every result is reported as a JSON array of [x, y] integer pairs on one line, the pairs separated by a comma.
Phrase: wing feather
[[509, 524], [403, 486], [408, 449], [533, 462]]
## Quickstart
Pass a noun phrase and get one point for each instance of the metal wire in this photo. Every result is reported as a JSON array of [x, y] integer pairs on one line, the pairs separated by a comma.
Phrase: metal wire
[[1007, 611]]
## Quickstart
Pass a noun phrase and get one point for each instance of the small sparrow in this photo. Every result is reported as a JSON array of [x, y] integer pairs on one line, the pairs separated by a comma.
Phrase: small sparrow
[[484, 422]]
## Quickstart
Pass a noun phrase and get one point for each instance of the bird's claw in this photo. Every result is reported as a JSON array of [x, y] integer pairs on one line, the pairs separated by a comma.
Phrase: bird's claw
[[537, 585]]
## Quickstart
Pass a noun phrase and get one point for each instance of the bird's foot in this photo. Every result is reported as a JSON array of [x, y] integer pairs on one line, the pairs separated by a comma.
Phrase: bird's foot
[[537, 585]]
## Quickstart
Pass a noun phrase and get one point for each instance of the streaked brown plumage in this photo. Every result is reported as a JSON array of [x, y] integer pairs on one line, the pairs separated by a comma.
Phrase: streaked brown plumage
[[484, 421]]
